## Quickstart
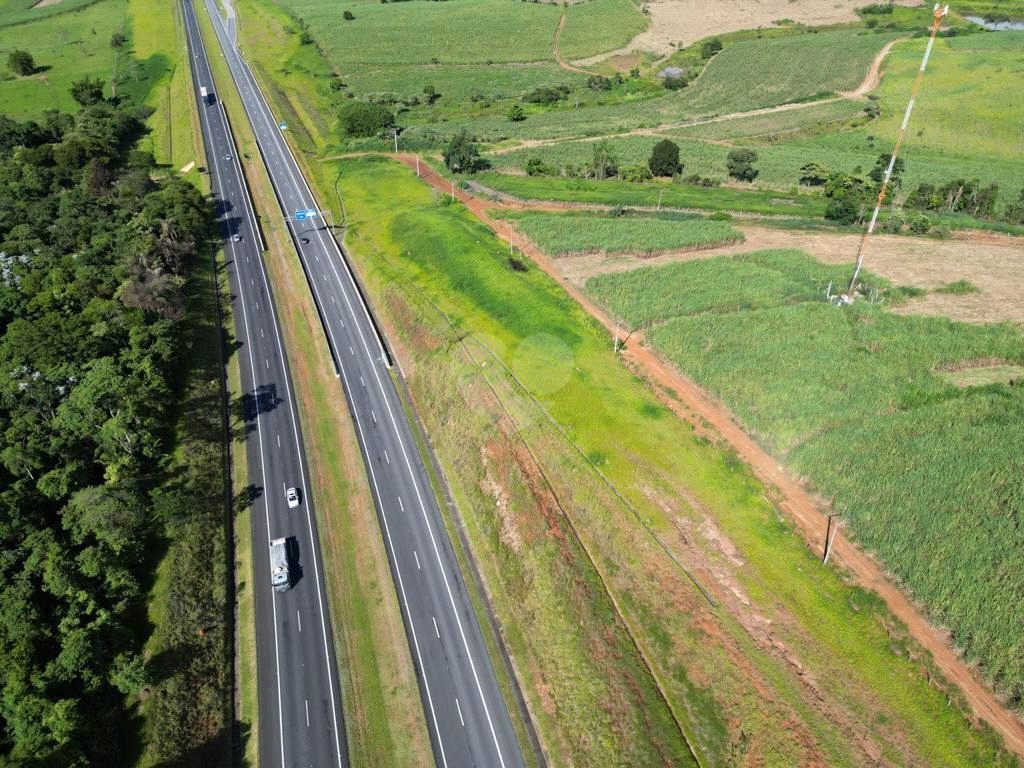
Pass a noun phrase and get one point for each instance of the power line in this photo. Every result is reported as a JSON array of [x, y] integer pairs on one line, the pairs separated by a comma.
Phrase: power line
[[939, 13]]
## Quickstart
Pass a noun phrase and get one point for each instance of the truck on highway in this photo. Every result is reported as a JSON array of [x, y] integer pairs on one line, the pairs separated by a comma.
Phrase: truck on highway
[[205, 95], [279, 575]]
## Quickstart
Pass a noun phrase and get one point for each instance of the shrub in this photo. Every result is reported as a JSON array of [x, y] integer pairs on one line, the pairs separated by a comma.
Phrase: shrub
[[740, 163], [348, 16], [710, 47], [635, 173], [537, 167], [547, 94]]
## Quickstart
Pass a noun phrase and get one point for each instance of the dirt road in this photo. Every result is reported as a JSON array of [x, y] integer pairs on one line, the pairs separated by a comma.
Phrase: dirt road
[[703, 410]]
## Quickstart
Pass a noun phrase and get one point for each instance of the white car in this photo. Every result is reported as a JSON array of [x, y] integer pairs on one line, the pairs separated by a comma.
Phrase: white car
[[293, 497], [236, 238]]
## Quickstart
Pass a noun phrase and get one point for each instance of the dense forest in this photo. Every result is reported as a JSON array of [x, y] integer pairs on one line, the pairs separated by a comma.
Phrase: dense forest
[[96, 248]]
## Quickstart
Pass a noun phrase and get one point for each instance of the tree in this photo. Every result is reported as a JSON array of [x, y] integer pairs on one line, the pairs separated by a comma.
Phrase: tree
[[604, 163], [740, 163], [814, 174], [87, 91], [849, 194], [348, 16], [877, 173], [665, 159], [537, 167], [364, 118], [516, 114], [21, 62], [462, 155], [117, 40]]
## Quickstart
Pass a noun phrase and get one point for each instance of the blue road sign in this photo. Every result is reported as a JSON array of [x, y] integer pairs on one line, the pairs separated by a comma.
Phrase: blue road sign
[[309, 213]]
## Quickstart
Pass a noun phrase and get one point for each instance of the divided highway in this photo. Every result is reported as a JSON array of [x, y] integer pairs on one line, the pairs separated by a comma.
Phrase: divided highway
[[467, 717], [301, 720]]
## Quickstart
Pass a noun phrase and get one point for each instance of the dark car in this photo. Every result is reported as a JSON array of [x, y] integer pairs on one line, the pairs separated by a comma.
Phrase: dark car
[[304, 239]]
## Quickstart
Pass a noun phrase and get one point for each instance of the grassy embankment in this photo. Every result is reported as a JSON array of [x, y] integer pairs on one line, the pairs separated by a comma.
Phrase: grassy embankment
[[858, 402], [383, 716], [553, 540], [566, 234], [157, 36]]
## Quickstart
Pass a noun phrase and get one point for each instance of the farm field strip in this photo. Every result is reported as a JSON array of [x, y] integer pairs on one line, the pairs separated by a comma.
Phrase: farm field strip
[[569, 234]]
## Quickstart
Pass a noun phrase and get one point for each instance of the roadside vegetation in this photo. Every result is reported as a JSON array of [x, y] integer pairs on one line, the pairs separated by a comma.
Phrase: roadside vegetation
[[91, 308]]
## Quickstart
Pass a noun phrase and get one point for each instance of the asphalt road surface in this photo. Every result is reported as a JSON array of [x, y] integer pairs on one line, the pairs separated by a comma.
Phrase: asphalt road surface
[[466, 715], [301, 720]]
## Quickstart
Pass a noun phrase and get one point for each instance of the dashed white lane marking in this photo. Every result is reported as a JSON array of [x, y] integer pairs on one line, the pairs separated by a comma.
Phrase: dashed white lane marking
[[278, 441], [307, 712], [361, 381], [436, 630], [268, 364], [400, 504], [350, 349], [460, 713], [298, 617], [418, 568], [261, 334], [374, 417], [386, 457], [333, 301]]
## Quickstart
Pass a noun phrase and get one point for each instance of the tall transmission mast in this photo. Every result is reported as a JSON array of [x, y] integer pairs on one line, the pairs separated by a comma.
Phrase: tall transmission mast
[[940, 11]]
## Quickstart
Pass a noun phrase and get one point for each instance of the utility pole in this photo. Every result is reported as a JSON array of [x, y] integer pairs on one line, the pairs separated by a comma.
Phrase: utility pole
[[395, 131], [417, 166], [830, 537], [939, 12]]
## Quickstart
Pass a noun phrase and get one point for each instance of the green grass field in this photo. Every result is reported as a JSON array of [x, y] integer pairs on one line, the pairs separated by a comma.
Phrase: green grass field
[[421, 257], [70, 45], [560, 235], [855, 399], [17, 12]]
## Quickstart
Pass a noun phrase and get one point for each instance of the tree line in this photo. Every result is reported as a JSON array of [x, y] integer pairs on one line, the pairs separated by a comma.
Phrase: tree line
[[94, 255]]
